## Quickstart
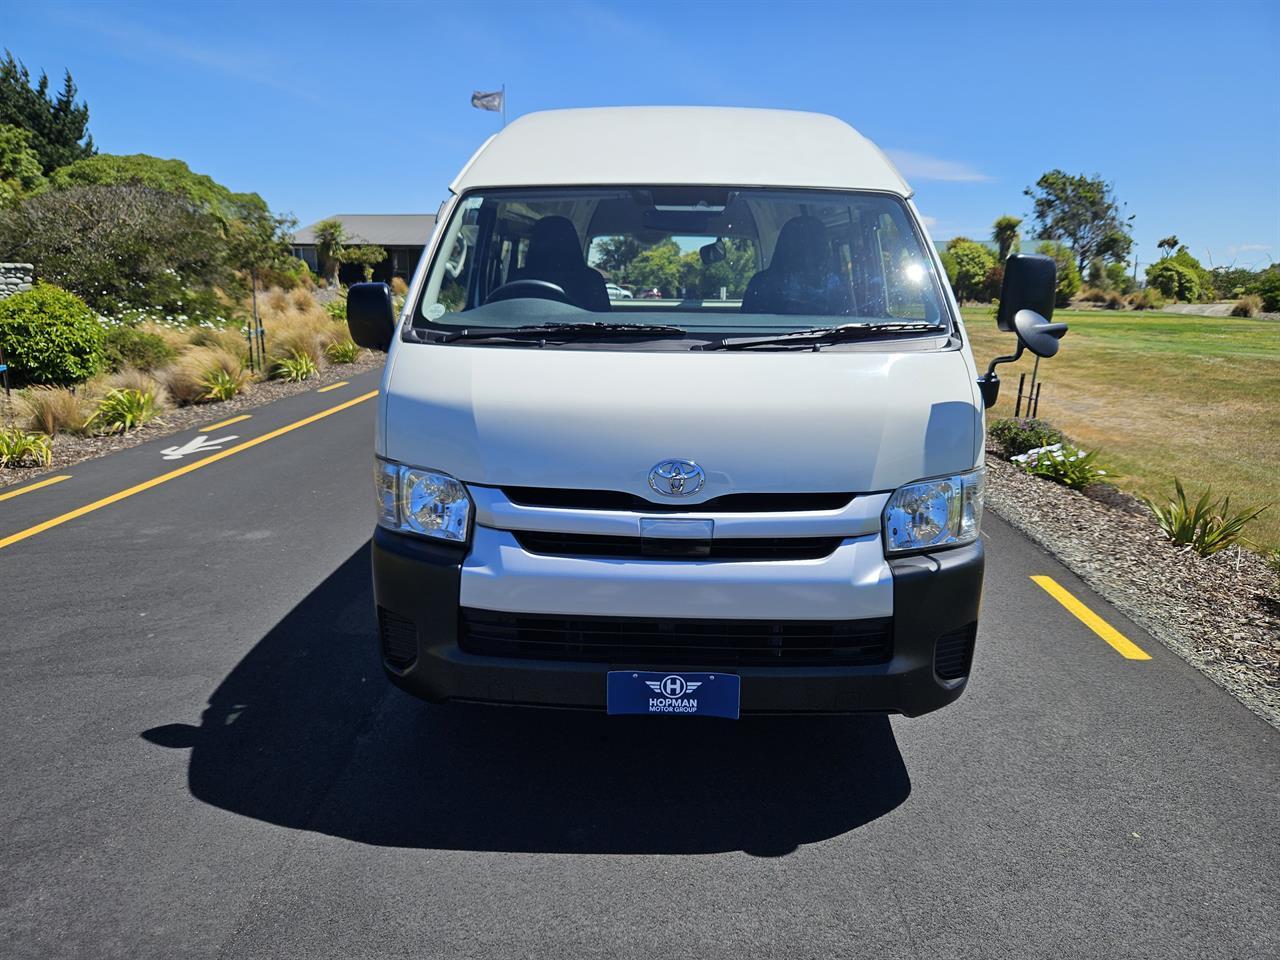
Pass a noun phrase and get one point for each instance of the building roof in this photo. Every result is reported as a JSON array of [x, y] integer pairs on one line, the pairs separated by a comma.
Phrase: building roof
[[728, 146], [384, 229]]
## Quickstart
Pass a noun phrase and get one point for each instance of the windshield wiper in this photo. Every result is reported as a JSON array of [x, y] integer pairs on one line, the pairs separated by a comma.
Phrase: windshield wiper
[[816, 337], [538, 331]]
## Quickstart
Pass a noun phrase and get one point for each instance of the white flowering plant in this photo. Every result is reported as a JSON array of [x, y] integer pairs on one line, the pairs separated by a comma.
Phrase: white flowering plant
[[1062, 463]]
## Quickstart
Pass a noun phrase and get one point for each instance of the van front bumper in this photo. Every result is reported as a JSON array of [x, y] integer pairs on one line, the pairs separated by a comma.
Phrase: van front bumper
[[936, 598]]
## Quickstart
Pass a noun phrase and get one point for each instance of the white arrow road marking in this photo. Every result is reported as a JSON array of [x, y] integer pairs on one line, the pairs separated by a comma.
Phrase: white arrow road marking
[[199, 445]]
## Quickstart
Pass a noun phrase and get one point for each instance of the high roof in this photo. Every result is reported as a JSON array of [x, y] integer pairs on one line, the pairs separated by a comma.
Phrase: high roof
[[727, 146], [383, 229]]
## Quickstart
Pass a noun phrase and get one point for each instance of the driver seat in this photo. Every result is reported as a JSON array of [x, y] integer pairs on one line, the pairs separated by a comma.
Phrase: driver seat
[[800, 278], [555, 255]]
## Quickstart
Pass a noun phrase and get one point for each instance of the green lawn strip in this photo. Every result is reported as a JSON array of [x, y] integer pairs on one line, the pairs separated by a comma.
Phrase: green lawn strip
[[1163, 395]]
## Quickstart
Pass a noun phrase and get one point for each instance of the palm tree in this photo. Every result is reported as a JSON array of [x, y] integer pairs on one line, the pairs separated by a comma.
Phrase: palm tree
[[330, 237], [1005, 233]]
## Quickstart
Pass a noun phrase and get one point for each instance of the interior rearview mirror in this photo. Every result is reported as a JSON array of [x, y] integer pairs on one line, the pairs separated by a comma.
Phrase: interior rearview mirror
[[713, 252], [1030, 283], [370, 315]]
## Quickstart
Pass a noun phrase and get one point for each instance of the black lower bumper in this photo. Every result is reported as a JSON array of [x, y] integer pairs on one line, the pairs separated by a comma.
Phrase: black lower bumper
[[936, 598]]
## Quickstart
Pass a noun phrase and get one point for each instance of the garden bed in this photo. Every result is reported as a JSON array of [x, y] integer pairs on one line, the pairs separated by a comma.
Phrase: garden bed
[[1219, 613], [70, 449]]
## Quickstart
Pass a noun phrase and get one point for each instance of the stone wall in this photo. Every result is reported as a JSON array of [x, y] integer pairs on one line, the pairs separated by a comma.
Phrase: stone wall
[[14, 277]]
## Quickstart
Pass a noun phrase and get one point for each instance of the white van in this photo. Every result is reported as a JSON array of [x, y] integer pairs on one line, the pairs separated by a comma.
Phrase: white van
[[757, 489]]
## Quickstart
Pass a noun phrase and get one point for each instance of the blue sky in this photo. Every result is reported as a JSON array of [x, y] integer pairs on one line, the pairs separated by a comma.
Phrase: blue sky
[[353, 108]]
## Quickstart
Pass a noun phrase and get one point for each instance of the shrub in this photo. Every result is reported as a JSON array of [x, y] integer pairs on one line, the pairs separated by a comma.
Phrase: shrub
[[277, 300], [1250, 305], [18, 446], [302, 339], [289, 274], [337, 309], [1174, 280], [232, 340], [1268, 288], [1068, 272], [130, 347], [973, 262], [1206, 526], [187, 379], [1146, 299], [1017, 436], [1118, 278], [221, 384], [50, 336], [52, 410], [399, 287], [129, 378], [303, 301], [1062, 463], [1115, 300], [1092, 295], [122, 246], [342, 351], [294, 368], [123, 410], [177, 338]]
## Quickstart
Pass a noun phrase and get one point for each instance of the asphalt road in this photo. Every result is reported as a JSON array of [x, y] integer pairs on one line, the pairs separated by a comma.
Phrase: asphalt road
[[201, 758]]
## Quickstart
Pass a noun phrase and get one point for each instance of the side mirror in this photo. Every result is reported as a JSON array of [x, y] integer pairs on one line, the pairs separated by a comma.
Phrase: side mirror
[[1041, 337], [370, 315], [1030, 283], [1026, 304]]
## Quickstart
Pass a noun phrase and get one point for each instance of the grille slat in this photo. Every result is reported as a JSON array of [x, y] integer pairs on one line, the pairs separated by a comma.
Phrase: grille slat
[[740, 549], [953, 652], [677, 642], [399, 638], [729, 503]]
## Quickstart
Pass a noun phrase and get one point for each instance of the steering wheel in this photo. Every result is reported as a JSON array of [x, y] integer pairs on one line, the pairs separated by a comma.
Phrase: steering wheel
[[538, 289]]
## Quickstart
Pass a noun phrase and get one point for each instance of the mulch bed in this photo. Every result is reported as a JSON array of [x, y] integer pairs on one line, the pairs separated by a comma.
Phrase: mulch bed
[[69, 449], [1221, 613]]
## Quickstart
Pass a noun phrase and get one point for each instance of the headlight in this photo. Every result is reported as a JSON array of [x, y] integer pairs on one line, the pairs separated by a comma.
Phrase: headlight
[[430, 504], [934, 513]]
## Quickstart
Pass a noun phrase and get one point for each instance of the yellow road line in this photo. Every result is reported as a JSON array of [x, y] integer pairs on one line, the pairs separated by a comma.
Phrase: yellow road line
[[179, 472], [333, 386], [35, 486], [1122, 644], [226, 423]]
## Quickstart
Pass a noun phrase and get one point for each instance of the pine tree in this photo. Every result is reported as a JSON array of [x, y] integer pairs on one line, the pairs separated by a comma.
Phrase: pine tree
[[57, 125]]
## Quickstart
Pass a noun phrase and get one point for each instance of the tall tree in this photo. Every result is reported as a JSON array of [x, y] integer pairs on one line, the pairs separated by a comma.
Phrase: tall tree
[[1005, 234], [19, 165], [330, 238], [365, 256], [57, 125], [1168, 244], [1083, 213]]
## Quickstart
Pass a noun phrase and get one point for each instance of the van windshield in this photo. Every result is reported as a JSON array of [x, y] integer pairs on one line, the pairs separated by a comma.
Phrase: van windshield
[[695, 260]]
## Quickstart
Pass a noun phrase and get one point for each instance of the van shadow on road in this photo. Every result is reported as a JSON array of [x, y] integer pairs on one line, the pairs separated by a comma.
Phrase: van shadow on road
[[306, 733]]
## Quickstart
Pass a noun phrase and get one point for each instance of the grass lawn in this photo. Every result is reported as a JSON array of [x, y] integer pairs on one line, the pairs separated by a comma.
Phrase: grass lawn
[[1162, 395]]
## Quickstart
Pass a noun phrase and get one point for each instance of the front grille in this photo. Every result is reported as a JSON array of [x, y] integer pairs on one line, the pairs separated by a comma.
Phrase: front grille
[[665, 642], [953, 653], [729, 503], [745, 548], [399, 639]]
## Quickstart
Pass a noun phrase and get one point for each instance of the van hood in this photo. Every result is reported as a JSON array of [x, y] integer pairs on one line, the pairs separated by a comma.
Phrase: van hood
[[592, 419]]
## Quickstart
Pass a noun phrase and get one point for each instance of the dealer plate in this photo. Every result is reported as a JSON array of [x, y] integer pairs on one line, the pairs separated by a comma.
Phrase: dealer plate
[[675, 694]]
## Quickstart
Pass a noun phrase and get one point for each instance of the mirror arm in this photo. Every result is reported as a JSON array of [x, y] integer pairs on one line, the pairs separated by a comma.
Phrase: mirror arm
[[989, 382], [1012, 358]]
